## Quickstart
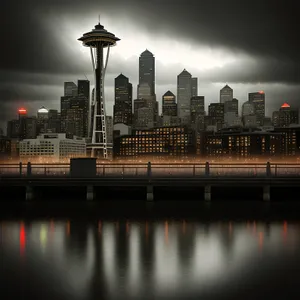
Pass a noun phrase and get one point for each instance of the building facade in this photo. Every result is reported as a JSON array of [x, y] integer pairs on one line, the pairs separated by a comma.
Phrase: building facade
[[54, 146], [197, 113], [122, 111], [258, 101], [158, 142], [184, 94], [226, 94]]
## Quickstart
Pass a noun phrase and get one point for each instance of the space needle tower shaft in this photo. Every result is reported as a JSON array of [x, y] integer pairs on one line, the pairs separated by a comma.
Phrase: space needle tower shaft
[[97, 40]]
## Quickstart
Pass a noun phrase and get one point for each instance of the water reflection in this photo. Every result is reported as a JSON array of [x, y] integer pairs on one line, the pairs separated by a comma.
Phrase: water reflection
[[144, 260]]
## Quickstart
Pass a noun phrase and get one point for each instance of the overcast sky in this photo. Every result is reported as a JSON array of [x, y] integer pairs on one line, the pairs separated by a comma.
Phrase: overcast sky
[[251, 45]]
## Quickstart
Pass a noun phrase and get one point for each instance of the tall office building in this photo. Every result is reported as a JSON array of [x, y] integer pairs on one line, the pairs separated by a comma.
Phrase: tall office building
[[42, 120], [258, 101], [197, 113], [194, 86], [288, 115], [123, 101], [74, 107], [70, 89], [232, 106], [226, 94], [147, 72], [53, 121], [77, 117], [169, 106], [83, 88], [184, 94], [216, 112]]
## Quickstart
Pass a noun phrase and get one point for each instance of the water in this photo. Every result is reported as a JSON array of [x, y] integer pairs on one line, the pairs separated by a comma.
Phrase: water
[[149, 259]]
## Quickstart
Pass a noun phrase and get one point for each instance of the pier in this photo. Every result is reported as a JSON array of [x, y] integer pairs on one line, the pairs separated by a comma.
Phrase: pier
[[204, 178]]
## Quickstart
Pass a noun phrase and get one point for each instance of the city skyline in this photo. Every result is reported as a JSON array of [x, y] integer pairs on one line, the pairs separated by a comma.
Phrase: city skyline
[[246, 66]]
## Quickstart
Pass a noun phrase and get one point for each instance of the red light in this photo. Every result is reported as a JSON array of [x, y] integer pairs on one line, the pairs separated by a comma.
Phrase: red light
[[22, 111], [285, 105], [261, 92], [22, 239]]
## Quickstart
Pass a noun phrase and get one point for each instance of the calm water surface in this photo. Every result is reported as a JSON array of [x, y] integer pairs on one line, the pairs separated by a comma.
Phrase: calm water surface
[[69, 259]]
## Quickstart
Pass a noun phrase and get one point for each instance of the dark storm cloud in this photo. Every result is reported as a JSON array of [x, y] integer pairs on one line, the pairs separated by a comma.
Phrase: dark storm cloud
[[260, 28], [36, 56]]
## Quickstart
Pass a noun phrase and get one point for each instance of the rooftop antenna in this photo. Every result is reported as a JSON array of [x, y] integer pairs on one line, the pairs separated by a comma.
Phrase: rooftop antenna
[[99, 18]]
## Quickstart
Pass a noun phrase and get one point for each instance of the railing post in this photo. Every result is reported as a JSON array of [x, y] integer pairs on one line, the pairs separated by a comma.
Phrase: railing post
[[207, 169], [29, 168], [20, 168], [149, 169], [268, 169]]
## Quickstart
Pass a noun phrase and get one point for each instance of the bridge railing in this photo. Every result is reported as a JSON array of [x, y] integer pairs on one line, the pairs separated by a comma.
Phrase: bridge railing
[[159, 170]]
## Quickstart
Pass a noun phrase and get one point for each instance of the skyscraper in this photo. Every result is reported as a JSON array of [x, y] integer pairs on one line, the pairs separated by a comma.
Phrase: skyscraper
[[83, 87], [232, 106], [147, 71], [194, 86], [216, 112], [70, 89], [226, 94], [42, 120], [77, 117], [123, 101], [184, 94], [288, 115], [197, 113], [169, 106], [258, 101]]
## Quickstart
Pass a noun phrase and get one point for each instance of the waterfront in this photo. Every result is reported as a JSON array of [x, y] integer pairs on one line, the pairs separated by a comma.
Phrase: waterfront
[[135, 250]]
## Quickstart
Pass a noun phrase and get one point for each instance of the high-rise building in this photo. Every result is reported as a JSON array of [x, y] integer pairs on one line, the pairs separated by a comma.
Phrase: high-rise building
[[216, 112], [123, 101], [42, 120], [197, 113], [83, 87], [169, 106], [77, 117], [258, 100], [70, 89], [226, 94], [184, 94], [275, 119], [232, 106], [147, 72], [13, 129], [194, 86], [53, 121], [288, 115]]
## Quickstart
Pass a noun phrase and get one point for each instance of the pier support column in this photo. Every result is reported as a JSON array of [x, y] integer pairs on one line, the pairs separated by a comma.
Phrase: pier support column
[[90, 193], [150, 195], [266, 193], [207, 193], [29, 193]]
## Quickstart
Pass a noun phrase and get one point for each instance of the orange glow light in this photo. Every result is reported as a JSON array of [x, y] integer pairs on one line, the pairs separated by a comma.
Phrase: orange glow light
[[261, 92], [285, 105]]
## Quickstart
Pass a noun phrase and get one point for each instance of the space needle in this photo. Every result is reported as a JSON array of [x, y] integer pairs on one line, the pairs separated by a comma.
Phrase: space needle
[[98, 39]]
